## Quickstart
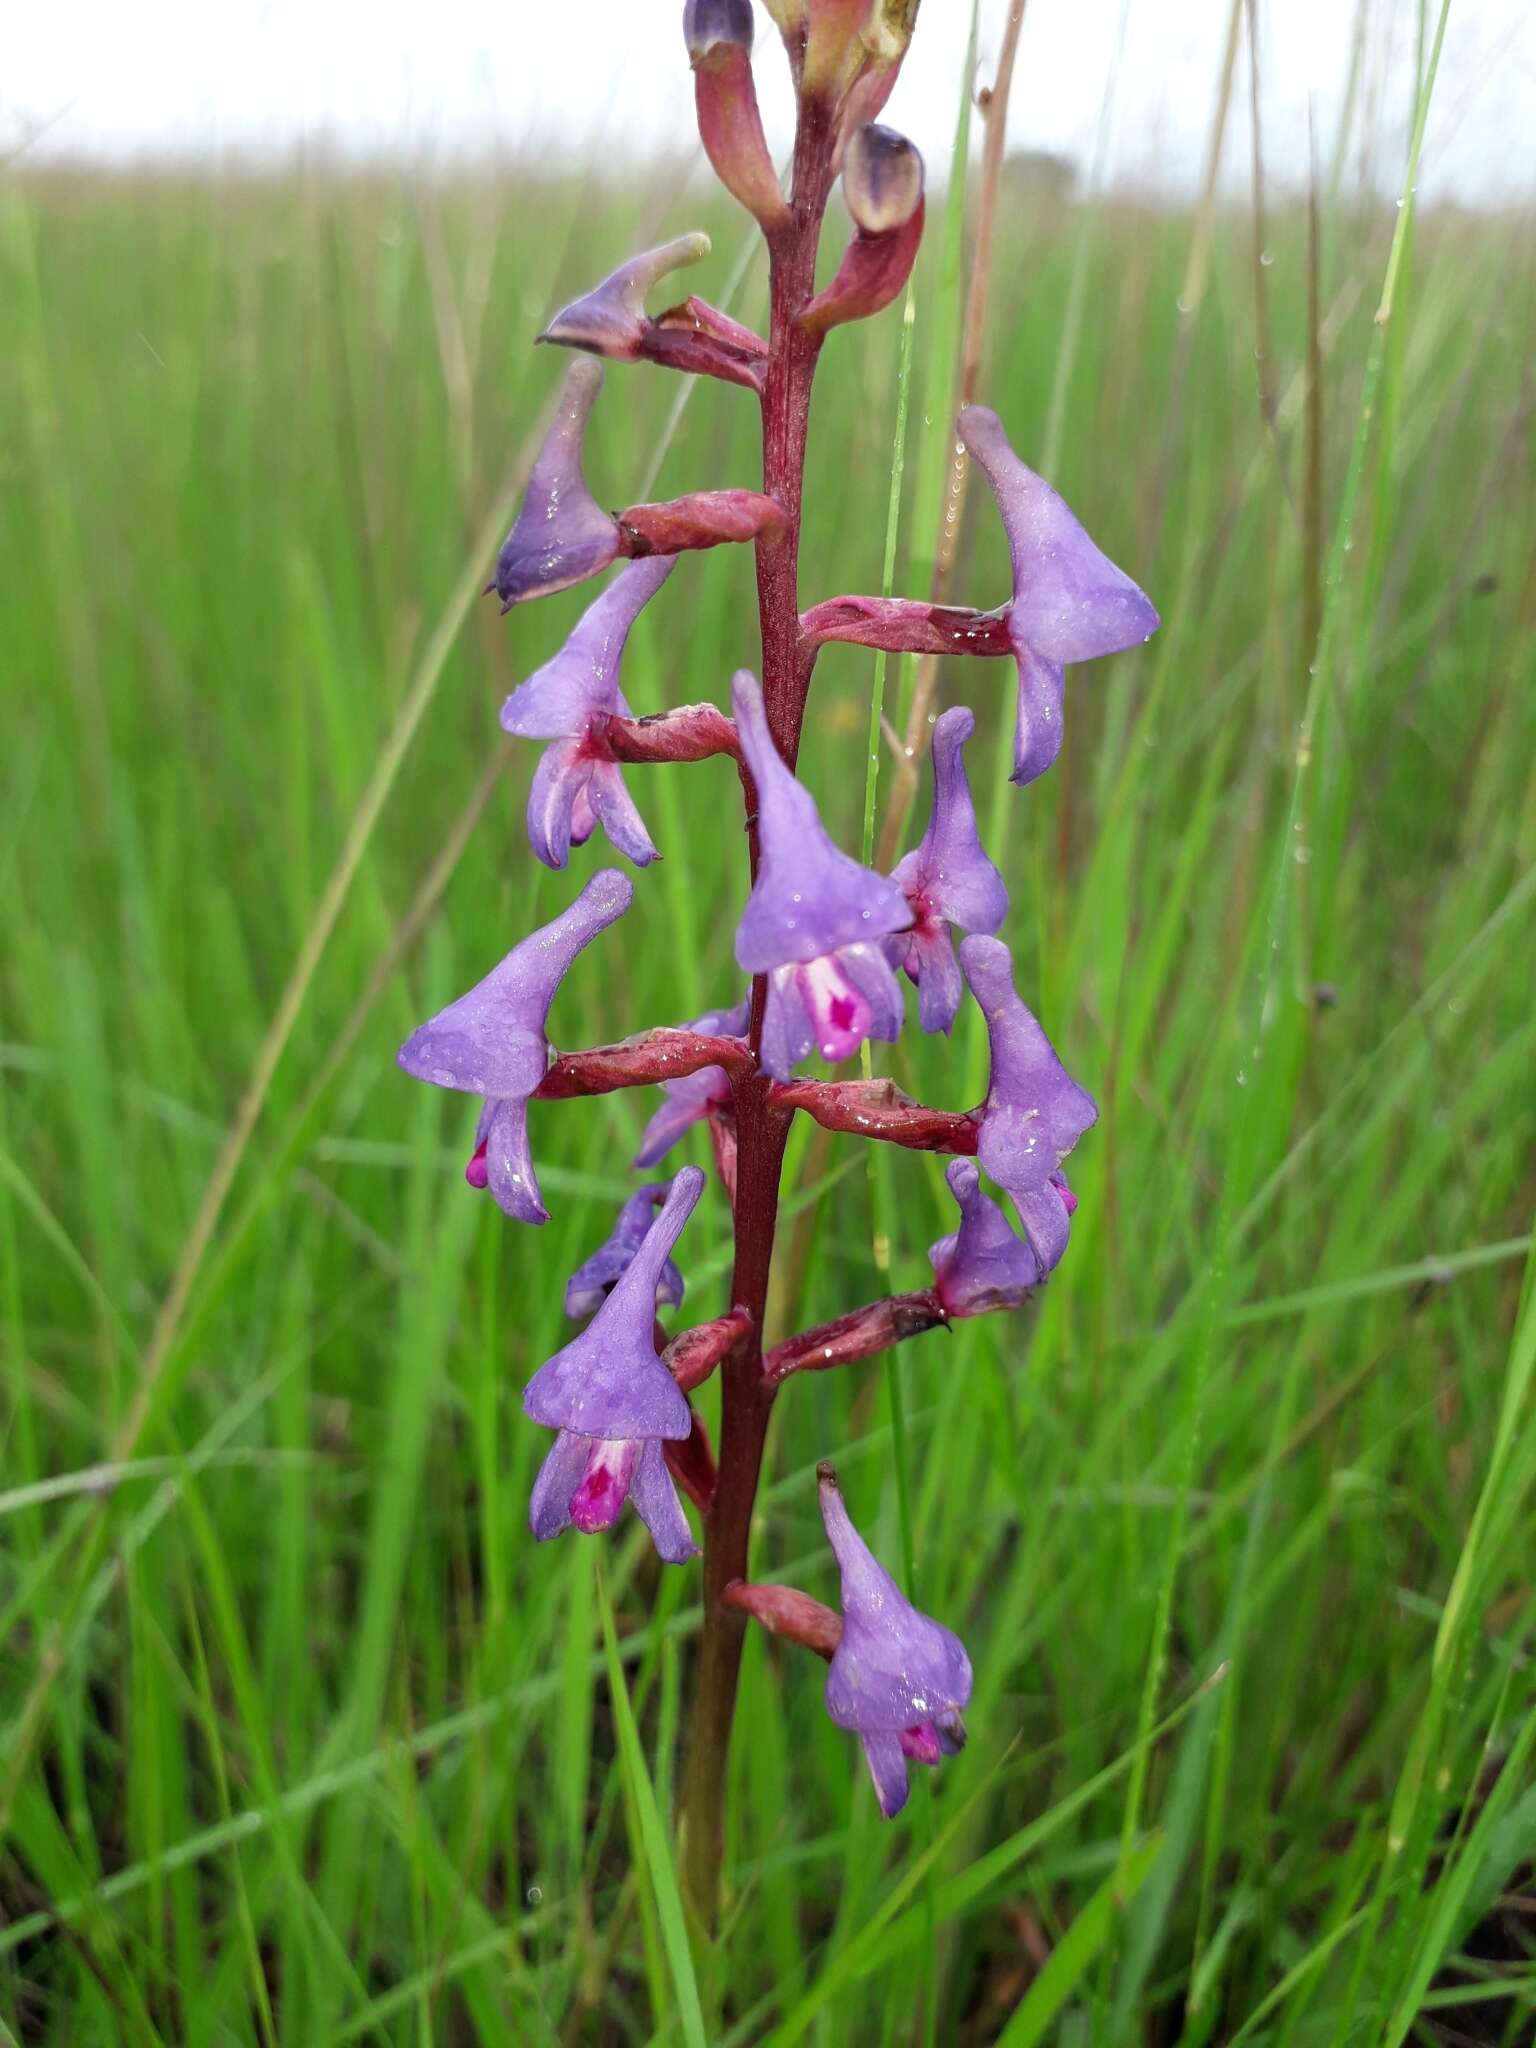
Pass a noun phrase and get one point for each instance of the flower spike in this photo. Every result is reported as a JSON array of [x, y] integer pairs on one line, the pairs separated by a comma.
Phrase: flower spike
[[588, 1286], [611, 319], [898, 1678], [1070, 602], [983, 1265], [695, 1096], [561, 535], [814, 918], [492, 1043], [614, 1404], [1034, 1113], [947, 879], [578, 783]]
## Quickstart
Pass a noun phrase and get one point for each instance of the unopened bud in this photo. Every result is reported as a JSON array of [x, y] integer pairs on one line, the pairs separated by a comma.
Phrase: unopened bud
[[611, 320], [882, 179], [708, 22]]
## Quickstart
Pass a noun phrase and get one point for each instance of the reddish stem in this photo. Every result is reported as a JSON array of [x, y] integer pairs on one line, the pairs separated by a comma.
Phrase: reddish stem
[[762, 1126]]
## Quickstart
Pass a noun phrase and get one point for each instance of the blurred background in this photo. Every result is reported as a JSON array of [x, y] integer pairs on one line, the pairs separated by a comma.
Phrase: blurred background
[[305, 1740]]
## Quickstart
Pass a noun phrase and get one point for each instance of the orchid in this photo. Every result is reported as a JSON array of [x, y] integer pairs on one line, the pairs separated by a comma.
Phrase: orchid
[[822, 935], [947, 879], [1034, 1113], [982, 1265], [491, 1042], [1070, 602], [898, 1678], [614, 1403], [813, 919], [578, 783]]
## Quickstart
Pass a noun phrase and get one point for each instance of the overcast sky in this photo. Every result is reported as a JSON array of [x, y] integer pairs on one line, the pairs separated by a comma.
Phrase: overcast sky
[[123, 79]]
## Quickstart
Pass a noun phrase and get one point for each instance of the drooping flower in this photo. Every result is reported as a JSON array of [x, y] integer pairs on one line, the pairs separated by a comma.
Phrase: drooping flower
[[561, 534], [589, 1284], [692, 1097], [1034, 1112], [898, 1678], [492, 1043], [615, 1404], [578, 783], [947, 879], [984, 1264], [1070, 602], [611, 320], [815, 918]]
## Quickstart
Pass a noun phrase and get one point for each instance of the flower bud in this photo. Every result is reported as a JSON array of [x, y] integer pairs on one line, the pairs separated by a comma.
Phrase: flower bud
[[882, 179], [708, 22], [883, 184], [719, 38]]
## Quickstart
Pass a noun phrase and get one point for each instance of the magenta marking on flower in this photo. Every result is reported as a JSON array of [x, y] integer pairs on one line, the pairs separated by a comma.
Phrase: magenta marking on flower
[[492, 1043], [1070, 602], [814, 917]]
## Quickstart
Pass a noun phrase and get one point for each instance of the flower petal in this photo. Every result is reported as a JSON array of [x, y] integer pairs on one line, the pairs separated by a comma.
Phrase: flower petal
[[549, 1503], [888, 1768], [656, 1502], [609, 1381], [561, 535], [1070, 602], [509, 1162], [810, 898]]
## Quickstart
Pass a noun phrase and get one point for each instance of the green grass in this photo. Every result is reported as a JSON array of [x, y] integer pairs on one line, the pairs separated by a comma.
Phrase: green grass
[[308, 1742]]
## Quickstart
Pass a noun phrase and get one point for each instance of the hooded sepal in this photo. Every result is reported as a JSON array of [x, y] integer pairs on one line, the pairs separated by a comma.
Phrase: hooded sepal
[[491, 1042], [611, 319], [561, 535], [610, 1382], [1070, 602], [895, 1671]]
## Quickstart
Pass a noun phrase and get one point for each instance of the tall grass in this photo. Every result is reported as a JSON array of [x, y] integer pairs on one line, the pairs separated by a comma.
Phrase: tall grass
[[308, 1742]]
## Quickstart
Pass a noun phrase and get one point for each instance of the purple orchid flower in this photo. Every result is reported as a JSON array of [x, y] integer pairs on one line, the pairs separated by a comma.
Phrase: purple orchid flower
[[611, 319], [984, 1264], [491, 1042], [1070, 602], [561, 535], [1034, 1113], [578, 783], [588, 1286], [814, 920], [691, 1098], [898, 1678], [947, 879], [615, 1404]]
